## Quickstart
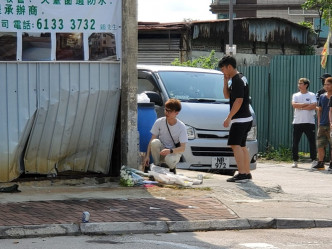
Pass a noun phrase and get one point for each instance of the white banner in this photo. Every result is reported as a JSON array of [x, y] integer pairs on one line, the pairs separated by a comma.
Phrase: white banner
[[60, 29], [60, 15]]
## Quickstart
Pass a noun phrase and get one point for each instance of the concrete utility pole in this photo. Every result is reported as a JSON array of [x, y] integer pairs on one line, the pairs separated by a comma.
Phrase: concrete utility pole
[[230, 27], [129, 133]]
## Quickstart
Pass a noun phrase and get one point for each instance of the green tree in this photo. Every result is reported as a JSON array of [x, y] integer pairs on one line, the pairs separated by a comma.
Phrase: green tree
[[324, 9], [208, 62], [308, 49]]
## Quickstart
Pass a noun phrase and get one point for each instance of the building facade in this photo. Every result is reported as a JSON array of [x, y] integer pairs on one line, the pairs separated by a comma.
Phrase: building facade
[[286, 9], [161, 43]]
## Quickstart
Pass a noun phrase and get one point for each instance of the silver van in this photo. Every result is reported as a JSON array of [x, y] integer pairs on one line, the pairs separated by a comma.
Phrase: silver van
[[204, 109]]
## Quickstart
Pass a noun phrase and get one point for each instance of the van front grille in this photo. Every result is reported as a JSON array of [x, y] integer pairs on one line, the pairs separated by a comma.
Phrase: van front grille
[[202, 135], [212, 151]]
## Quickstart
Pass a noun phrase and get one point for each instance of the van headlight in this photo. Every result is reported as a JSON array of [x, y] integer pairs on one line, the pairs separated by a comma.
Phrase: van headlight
[[252, 134], [190, 132]]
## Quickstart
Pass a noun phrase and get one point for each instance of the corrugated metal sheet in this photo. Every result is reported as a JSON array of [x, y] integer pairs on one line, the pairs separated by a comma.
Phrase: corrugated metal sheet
[[271, 98], [57, 115], [158, 51], [259, 89]]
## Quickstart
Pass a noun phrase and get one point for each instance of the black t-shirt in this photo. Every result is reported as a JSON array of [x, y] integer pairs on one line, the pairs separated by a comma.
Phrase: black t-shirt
[[320, 92], [330, 102], [240, 89]]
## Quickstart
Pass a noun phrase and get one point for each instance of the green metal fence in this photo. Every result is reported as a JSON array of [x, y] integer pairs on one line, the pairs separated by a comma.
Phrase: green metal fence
[[271, 89]]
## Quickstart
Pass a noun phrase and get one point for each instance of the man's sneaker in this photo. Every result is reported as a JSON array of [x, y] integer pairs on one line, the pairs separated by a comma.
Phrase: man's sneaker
[[240, 178], [330, 168], [173, 171], [294, 165], [163, 165], [314, 163], [319, 166]]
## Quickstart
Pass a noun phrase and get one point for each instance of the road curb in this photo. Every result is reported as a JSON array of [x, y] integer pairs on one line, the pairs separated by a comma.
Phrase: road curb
[[295, 223], [263, 223], [7, 232], [124, 227], [207, 225], [285, 223], [38, 230], [323, 223]]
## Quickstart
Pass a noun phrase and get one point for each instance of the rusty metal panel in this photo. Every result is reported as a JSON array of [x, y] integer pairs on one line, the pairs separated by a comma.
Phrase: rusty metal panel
[[57, 116]]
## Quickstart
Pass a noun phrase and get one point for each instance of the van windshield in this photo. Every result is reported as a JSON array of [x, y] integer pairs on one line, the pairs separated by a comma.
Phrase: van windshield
[[194, 86]]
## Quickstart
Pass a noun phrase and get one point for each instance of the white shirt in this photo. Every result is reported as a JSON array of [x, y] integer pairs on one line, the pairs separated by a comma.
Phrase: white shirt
[[304, 116], [178, 131]]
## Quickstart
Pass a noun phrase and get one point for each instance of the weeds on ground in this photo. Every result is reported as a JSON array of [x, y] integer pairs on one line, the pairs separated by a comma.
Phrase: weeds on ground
[[282, 153]]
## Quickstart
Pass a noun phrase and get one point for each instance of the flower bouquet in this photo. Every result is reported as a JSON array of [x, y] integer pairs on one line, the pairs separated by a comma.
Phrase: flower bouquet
[[129, 178]]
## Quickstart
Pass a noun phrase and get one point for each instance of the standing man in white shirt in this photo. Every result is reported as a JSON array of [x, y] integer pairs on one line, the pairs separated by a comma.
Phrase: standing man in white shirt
[[304, 104]]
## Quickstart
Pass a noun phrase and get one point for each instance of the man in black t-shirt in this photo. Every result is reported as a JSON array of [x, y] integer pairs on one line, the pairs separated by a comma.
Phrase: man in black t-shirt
[[322, 90], [239, 117]]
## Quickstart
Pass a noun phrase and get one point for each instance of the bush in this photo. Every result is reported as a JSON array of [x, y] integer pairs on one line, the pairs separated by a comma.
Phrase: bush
[[283, 153], [208, 62]]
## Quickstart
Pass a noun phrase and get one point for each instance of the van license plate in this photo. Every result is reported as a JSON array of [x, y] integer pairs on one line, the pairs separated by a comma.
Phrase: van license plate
[[220, 162]]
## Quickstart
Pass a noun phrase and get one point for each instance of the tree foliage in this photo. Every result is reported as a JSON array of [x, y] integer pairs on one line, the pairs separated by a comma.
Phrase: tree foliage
[[324, 8], [209, 62]]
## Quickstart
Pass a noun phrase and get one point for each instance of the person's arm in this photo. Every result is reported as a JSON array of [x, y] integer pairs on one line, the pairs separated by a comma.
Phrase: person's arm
[[304, 106], [226, 89], [330, 117], [319, 113], [148, 152], [180, 149], [330, 112], [311, 106], [235, 108]]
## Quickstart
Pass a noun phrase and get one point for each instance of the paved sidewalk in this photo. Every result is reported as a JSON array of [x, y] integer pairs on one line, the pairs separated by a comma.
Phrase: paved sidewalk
[[113, 210], [272, 200]]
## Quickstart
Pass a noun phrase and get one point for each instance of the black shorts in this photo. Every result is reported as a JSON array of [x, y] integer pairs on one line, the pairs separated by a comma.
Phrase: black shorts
[[238, 133]]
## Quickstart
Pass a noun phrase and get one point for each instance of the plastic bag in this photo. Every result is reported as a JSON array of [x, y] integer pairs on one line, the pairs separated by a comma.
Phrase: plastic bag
[[158, 169], [143, 98], [163, 178], [163, 175]]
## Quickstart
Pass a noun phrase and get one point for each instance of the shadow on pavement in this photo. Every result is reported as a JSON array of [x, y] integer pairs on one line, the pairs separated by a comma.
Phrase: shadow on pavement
[[257, 192]]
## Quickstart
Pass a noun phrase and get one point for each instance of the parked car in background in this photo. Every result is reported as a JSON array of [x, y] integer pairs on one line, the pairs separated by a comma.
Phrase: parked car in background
[[204, 109]]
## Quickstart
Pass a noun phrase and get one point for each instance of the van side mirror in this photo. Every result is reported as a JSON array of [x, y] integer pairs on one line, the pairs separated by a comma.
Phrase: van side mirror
[[154, 97]]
